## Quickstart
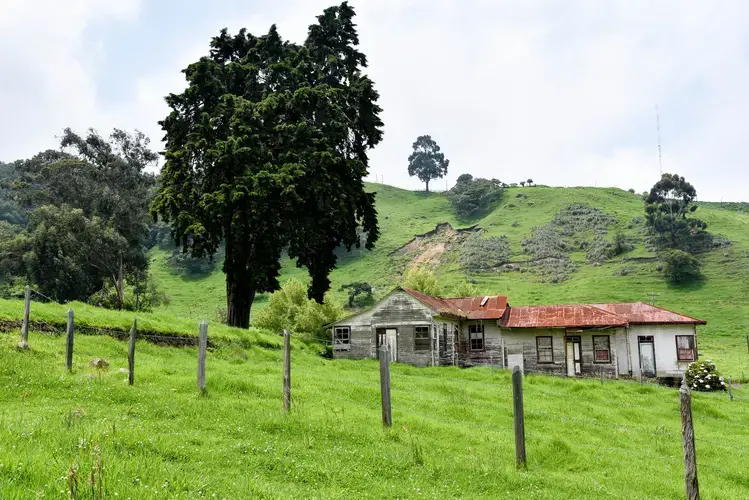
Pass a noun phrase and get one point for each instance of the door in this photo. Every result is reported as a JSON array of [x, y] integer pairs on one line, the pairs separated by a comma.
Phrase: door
[[391, 337], [574, 357], [647, 355]]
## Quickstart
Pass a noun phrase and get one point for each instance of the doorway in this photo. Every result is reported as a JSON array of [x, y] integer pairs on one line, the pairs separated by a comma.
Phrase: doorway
[[646, 346], [389, 337], [574, 357]]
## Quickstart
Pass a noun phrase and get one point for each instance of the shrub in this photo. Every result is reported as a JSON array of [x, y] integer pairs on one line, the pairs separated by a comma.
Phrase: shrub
[[465, 289], [581, 217], [470, 196], [703, 376], [422, 280], [479, 254], [359, 293], [290, 309], [681, 267]]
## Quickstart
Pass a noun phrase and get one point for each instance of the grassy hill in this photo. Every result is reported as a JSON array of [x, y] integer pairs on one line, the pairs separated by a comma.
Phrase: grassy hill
[[452, 435], [721, 298]]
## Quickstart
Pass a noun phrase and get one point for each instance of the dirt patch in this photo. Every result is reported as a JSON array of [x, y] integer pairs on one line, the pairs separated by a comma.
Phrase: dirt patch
[[428, 248]]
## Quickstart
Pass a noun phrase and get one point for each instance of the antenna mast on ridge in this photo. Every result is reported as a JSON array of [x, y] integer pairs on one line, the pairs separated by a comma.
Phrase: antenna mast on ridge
[[658, 129]]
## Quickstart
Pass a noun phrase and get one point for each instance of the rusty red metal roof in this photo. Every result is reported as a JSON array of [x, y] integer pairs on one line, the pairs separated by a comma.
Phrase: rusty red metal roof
[[639, 313], [463, 307], [493, 306], [562, 316]]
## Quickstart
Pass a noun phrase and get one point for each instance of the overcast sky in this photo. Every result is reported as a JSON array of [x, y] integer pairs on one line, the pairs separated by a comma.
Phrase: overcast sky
[[561, 91]]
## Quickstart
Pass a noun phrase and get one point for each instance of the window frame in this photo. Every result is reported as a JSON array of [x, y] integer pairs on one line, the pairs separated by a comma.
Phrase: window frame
[[693, 348], [341, 346], [608, 350], [419, 342], [480, 329], [551, 348]]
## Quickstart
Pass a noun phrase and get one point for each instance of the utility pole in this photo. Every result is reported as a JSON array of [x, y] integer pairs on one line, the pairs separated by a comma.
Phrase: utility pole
[[653, 295], [658, 130]]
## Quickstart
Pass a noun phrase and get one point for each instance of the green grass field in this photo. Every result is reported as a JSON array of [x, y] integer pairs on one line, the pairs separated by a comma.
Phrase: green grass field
[[452, 434], [721, 298]]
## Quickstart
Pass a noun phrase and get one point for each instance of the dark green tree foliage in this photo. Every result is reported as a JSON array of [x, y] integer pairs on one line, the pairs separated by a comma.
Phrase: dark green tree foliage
[[359, 293], [470, 197], [681, 267], [10, 211], [427, 162], [479, 254], [100, 186], [667, 209], [266, 151]]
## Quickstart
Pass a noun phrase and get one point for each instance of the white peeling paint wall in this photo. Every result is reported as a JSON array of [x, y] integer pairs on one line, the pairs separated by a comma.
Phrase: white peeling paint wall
[[664, 338]]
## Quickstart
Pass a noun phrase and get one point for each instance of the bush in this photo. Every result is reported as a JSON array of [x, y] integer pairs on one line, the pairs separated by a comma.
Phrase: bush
[[681, 267], [290, 309], [470, 196], [581, 217], [422, 280], [359, 294], [465, 289], [703, 376], [479, 254]]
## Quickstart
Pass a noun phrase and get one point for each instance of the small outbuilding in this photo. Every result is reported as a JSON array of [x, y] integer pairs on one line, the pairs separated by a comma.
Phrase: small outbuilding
[[618, 339]]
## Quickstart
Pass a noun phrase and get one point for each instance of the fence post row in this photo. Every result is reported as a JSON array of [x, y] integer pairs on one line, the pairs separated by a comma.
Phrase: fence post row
[[24, 343], [69, 345], [286, 371], [518, 414], [387, 415], [202, 346], [131, 353], [687, 433]]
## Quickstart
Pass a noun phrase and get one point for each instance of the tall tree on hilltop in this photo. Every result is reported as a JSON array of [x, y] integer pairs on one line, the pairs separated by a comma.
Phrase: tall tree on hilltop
[[667, 207], [427, 162], [266, 150]]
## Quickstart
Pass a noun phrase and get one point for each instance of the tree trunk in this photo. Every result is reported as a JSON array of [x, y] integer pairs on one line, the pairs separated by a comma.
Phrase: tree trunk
[[427, 183], [121, 286], [239, 298]]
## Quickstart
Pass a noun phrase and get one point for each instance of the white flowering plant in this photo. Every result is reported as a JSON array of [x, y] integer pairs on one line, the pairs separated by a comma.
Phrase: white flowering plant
[[704, 376]]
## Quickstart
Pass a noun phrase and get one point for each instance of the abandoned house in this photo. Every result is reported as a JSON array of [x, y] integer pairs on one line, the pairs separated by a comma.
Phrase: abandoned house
[[619, 339]]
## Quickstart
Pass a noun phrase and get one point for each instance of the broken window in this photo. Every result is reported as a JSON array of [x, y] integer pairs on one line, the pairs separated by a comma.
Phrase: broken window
[[601, 349], [685, 348], [421, 338], [544, 350], [342, 338], [476, 336]]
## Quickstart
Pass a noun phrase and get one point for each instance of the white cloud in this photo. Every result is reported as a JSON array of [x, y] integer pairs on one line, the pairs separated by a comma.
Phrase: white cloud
[[562, 92]]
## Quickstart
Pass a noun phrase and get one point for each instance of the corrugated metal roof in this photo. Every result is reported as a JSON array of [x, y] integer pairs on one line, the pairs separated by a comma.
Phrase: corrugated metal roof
[[493, 308], [562, 316], [639, 313], [463, 307]]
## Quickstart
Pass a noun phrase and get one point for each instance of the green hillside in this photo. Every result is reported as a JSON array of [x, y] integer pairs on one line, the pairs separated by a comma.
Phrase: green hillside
[[721, 298], [452, 437]]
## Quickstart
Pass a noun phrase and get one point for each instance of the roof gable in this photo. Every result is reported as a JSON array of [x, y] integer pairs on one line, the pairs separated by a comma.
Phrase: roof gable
[[639, 313]]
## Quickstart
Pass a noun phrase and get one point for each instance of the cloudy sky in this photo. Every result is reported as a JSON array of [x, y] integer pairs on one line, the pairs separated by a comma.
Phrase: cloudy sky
[[560, 91]]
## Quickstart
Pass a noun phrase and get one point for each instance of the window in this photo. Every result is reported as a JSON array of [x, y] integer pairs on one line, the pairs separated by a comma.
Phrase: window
[[421, 338], [685, 348], [444, 337], [601, 349], [476, 336], [342, 338], [544, 350]]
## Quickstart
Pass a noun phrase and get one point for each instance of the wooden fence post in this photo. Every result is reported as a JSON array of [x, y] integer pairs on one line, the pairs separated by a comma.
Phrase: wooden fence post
[[730, 392], [687, 433], [286, 371], [131, 353], [24, 343], [202, 346], [519, 416], [69, 346], [387, 415]]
